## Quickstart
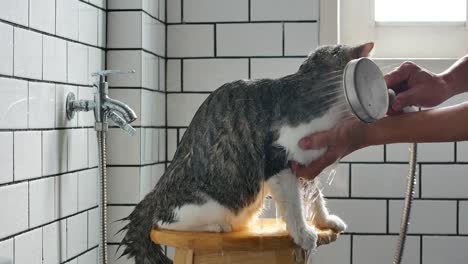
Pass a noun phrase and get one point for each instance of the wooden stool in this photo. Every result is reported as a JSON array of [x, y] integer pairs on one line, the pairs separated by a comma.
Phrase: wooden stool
[[264, 242]]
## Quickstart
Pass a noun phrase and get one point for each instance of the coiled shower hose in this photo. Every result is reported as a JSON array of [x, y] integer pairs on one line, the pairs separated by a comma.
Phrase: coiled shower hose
[[101, 138], [407, 206]]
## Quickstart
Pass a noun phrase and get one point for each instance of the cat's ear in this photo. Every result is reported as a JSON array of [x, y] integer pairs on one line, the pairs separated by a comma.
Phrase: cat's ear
[[364, 49]]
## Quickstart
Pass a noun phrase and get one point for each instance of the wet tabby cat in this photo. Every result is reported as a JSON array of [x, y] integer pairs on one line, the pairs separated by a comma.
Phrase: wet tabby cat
[[237, 149]]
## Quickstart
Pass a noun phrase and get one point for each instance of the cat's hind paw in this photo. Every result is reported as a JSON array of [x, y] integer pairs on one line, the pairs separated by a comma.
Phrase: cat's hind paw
[[332, 222], [307, 238]]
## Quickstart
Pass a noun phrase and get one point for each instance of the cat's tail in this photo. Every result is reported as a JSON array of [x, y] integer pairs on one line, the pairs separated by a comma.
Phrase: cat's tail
[[137, 240]]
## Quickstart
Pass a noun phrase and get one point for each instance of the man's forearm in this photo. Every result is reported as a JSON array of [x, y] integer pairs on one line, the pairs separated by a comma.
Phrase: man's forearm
[[436, 125]]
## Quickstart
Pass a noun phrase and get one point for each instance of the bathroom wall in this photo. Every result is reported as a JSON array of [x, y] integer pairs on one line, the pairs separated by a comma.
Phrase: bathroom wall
[[210, 42], [136, 40], [48, 178]]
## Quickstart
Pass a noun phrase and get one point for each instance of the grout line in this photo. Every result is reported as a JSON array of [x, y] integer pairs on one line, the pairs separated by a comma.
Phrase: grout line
[[135, 88], [13, 153], [240, 57], [249, 68], [121, 204], [134, 165], [45, 177], [181, 12], [250, 11], [49, 34], [42, 81], [79, 255], [136, 49], [181, 78], [93, 5], [350, 179], [189, 92], [40, 129], [282, 39], [455, 146], [458, 218], [385, 152], [178, 137], [166, 149], [48, 223], [388, 216], [421, 249], [215, 41], [420, 180], [351, 242], [136, 10], [241, 22]]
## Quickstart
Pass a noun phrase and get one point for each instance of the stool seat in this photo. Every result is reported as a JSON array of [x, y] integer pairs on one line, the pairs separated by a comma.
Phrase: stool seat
[[265, 235]]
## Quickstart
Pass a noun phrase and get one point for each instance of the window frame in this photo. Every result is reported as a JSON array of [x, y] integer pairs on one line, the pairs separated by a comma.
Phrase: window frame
[[451, 39]]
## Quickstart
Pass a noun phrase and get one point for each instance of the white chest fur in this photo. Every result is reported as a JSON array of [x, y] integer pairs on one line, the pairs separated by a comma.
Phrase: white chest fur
[[289, 136]]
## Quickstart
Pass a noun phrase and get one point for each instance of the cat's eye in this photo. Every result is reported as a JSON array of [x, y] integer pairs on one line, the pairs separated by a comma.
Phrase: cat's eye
[[420, 11]]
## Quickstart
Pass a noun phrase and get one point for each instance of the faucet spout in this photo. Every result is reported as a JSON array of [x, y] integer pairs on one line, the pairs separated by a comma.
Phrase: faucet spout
[[124, 110], [119, 121]]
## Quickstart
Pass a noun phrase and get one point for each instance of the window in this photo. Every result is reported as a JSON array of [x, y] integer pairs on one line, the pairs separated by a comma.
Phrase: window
[[405, 28], [420, 11]]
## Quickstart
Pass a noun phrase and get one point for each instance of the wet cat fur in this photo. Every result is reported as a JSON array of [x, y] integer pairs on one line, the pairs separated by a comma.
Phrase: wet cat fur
[[230, 148]]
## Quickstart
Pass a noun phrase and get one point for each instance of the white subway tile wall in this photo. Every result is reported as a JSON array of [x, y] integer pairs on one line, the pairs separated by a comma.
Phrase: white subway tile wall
[[49, 180], [249, 39], [213, 42], [136, 40], [48, 168]]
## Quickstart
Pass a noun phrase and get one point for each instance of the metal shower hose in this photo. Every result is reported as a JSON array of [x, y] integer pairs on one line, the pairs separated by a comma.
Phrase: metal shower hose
[[407, 206], [101, 138]]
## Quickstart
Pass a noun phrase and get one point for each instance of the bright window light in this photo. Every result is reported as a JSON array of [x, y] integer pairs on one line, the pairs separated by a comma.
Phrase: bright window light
[[420, 10]]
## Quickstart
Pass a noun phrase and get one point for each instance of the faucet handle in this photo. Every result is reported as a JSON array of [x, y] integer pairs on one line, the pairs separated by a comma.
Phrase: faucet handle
[[119, 121], [110, 72]]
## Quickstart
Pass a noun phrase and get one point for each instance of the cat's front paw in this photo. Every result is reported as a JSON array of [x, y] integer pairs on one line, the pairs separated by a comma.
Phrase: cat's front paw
[[306, 238], [332, 222]]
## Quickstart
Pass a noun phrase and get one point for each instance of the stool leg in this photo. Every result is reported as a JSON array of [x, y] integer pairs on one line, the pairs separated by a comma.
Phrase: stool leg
[[183, 256]]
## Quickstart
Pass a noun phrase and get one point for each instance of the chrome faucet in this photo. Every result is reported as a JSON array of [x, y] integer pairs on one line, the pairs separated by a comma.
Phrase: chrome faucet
[[103, 106]]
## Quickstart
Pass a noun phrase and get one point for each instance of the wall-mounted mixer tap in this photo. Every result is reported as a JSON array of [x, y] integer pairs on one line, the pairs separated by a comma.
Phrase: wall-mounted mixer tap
[[103, 106]]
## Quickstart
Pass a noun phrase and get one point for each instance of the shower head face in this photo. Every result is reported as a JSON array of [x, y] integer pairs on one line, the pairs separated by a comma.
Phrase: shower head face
[[365, 90]]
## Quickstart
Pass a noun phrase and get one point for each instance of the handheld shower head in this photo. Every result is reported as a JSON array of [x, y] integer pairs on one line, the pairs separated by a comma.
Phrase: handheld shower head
[[365, 90]]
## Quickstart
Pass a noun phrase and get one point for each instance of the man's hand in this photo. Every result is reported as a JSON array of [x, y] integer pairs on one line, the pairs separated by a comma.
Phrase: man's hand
[[339, 142], [417, 86]]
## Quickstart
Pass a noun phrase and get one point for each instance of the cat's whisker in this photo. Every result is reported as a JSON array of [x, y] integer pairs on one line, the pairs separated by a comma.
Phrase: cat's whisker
[[340, 72], [337, 77], [326, 86]]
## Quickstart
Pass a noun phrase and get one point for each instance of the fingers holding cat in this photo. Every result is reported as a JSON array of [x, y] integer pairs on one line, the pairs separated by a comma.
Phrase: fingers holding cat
[[339, 141]]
